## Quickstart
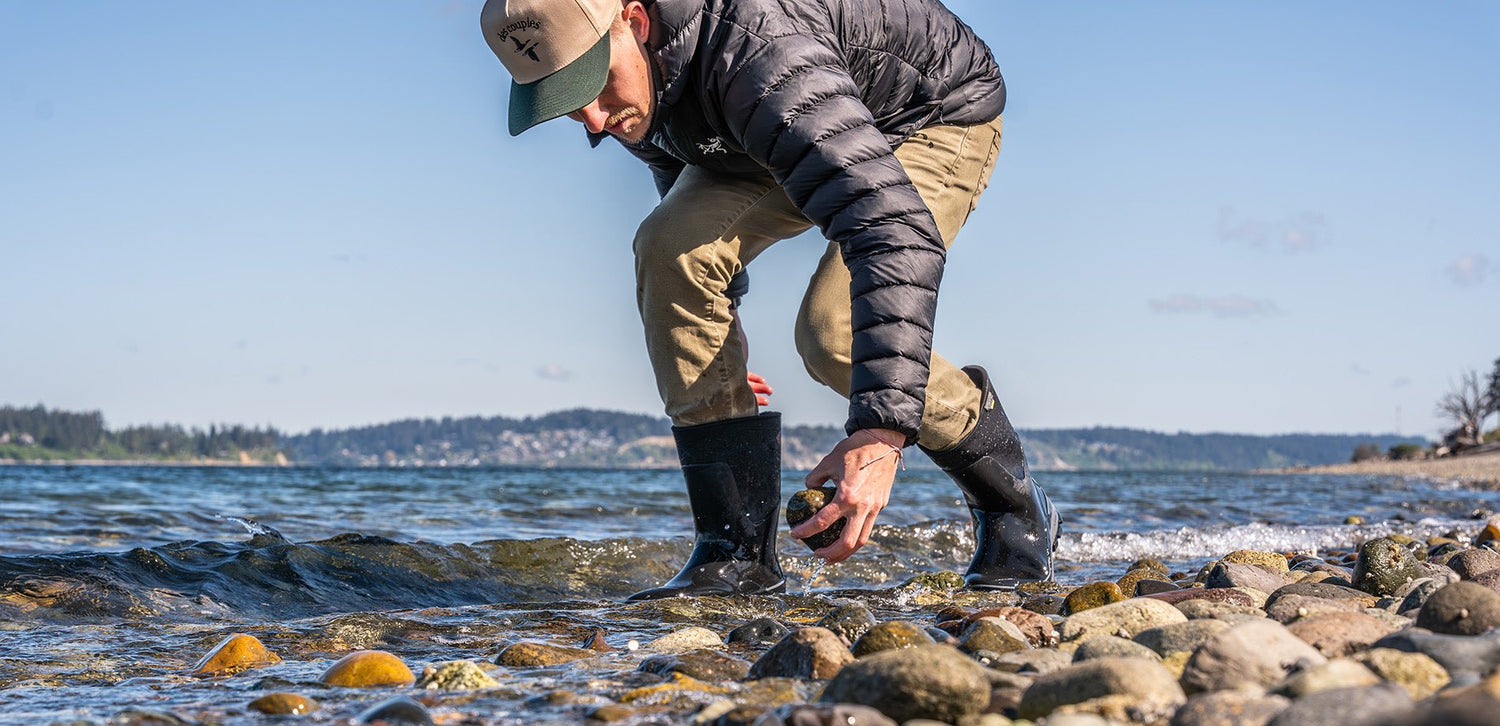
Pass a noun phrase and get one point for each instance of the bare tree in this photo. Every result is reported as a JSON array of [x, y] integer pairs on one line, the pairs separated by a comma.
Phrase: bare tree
[[1466, 405]]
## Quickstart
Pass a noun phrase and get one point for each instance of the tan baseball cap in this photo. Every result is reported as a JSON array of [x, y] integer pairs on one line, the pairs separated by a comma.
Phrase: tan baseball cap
[[557, 52]]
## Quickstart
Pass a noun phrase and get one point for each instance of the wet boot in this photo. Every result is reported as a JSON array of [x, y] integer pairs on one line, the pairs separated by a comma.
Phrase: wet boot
[[1015, 526], [733, 473]]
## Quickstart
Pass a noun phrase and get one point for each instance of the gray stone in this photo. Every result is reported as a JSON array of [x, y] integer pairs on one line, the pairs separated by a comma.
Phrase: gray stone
[[1420, 675], [1152, 586], [1109, 646], [759, 632], [1257, 653], [1476, 706], [702, 664], [1384, 566], [928, 681], [1323, 590], [458, 675], [1209, 610], [804, 653], [1230, 708], [1462, 608], [1291, 608], [1124, 619], [1364, 706], [1146, 685], [1460, 655], [996, 635], [849, 621], [822, 714], [1417, 593], [395, 711], [689, 638], [1337, 634], [1037, 661], [1337, 673], [1181, 637], [1471, 563], [1234, 574]]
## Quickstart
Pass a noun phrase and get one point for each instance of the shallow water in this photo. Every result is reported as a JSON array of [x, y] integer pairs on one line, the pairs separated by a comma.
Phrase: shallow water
[[113, 580]]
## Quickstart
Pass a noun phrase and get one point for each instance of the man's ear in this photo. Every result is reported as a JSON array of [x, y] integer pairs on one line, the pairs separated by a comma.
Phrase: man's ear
[[640, 21]]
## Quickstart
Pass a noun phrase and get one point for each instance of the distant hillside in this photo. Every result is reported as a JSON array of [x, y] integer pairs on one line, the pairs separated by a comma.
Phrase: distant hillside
[[590, 438]]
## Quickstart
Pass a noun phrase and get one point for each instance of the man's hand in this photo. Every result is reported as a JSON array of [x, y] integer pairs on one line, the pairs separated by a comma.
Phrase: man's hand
[[864, 467], [761, 388]]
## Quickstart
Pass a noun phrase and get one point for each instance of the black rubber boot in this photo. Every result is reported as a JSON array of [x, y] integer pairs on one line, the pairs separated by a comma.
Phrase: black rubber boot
[[733, 473], [1015, 526]]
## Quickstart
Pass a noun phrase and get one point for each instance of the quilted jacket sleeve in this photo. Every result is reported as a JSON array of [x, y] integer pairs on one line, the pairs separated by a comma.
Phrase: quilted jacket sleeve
[[795, 109]]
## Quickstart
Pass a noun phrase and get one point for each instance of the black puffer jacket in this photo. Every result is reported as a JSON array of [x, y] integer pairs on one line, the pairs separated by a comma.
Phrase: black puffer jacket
[[819, 93]]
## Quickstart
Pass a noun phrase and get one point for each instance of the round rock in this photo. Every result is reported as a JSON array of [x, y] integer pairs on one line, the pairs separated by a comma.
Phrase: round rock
[[1462, 608], [1109, 646], [534, 655], [1180, 637], [804, 653], [1337, 634], [849, 620], [1145, 683], [458, 675], [996, 635], [1092, 595], [1230, 708], [1337, 673], [689, 638], [702, 664], [1471, 563], [284, 704], [891, 635], [759, 632], [237, 653], [1256, 653], [930, 681], [1384, 566], [396, 710], [804, 504], [1345, 707], [368, 669], [1124, 619], [1420, 675]]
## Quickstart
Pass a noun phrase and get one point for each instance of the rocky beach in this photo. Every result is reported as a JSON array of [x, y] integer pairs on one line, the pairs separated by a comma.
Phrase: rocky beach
[[1471, 470]]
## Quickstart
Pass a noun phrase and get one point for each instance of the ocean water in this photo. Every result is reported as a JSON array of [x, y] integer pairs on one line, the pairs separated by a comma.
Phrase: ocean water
[[115, 580]]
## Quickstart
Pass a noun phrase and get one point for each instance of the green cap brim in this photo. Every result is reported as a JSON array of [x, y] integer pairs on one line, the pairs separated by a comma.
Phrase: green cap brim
[[576, 85]]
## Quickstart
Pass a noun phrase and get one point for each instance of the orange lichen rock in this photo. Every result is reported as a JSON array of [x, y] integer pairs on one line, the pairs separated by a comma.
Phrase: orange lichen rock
[[236, 653], [368, 669]]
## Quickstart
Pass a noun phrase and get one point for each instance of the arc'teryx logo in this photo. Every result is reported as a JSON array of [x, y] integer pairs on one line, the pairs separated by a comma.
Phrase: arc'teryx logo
[[715, 145], [526, 48]]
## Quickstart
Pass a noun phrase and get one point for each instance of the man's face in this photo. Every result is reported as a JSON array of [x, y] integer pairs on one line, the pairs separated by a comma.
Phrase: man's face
[[624, 107]]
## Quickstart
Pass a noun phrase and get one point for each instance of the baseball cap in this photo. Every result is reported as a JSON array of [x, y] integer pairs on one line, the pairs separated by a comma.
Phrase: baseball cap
[[557, 52]]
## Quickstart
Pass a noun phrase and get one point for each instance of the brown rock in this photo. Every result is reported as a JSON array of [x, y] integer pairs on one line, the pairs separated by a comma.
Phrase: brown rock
[[1489, 579], [596, 642], [816, 653], [1145, 684], [1230, 708], [284, 704], [1472, 562], [1462, 608], [1290, 608], [533, 655], [891, 635], [367, 669], [234, 654], [1271, 561], [1257, 653], [1123, 619], [996, 635], [1339, 634], [1128, 581], [1037, 628], [1091, 596], [1224, 595], [930, 681]]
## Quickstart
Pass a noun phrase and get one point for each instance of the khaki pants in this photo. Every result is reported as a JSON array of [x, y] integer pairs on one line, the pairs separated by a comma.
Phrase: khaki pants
[[709, 227]]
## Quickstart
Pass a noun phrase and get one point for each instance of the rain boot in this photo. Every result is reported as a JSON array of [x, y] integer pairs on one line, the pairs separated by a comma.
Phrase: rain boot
[[1015, 526], [733, 474]]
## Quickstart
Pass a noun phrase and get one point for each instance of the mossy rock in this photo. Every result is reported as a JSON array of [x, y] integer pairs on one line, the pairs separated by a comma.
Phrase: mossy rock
[[804, 505], [1091, 596], [891, 635]]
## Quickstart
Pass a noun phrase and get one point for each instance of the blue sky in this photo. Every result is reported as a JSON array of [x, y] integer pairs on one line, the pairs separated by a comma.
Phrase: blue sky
[[1252, 217]]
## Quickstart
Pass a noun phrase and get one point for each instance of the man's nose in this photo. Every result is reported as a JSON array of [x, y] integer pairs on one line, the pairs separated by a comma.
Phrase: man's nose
[[591, 116]]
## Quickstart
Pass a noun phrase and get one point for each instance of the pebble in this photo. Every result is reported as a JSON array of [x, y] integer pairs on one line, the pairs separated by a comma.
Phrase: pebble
[[804, 504], [368, 669], [1128, 581], [1337, 634], [1180, 637], [235, 654], [1324, 590], [1271, 561], [284, 704], [396, 710], [1124, 619], [1458, 654], [1471, 563], [1489, 579], [458, 675], [1037, 628], [1290, 608], [1257, 653], [688, 638], [527, 654], [596, 642], [1337, 673], [759, 632], [1208, 609], [891, 635], [1110, 646], [1220, 595], [930, 681], [993, 634], [1235, 574], [1417, 594], [1032, 662], [814, 652], [849, 620], [1384, 566], [1090, 596], [1147, 686], [1475, 705], [1151, 586], [843, 714], [1363, 706], [1230, 708], [702, 664], [1420, 675], [1462, 608], [1044, 604]]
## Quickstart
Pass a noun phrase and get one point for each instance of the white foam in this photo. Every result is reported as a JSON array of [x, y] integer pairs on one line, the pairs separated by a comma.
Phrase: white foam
[[1192, 542]]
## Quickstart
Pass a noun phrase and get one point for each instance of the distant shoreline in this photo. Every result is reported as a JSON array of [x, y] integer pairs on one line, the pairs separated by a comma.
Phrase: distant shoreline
[[1475, 470], [141, 462]]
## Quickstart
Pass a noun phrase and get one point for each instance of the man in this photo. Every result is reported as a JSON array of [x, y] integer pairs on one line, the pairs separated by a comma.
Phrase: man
[[879, 122]]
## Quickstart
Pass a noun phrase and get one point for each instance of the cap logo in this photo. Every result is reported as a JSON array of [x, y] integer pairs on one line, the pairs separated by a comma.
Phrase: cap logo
[[526, 48]]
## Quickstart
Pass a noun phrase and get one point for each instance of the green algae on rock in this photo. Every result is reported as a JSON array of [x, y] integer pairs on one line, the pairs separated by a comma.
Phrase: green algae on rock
[[805, 504]]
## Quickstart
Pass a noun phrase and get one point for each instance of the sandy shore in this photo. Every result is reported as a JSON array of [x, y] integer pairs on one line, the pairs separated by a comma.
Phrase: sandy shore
[[1477, 470]]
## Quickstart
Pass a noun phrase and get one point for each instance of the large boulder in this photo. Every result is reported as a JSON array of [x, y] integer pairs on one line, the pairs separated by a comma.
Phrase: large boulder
[[1256, 653], [805, 653], [927, 681]]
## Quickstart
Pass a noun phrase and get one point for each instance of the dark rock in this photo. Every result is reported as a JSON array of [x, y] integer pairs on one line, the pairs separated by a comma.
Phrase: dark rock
[[284, 704], [1232, 597], [993, 634], [1209, 610], [1384, 566], [1323, 590], [804, 653], [1031, 662], [804, 504], [1044, 604], [1271, 561], [759, 632], [1473, 562], [396, 710], [835, 714], [1489, 579], [1473, 706], [930, 681], [1345, 707], [1457, 654], [1233, 574], [532, 655], [1338, 634], [1146, 685], [1110, 646], [1180, 637], [1229, 708], [1037, 628], [1092, 595], [849, 621], [596, 642], [891, 635], [1417, 594], [939, 635], [1256, 653], [1151, 586], [458, 675], [702, 664], [1462, 608]]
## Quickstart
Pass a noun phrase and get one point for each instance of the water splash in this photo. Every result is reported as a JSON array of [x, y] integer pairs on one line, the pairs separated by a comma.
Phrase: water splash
[[256, 529]]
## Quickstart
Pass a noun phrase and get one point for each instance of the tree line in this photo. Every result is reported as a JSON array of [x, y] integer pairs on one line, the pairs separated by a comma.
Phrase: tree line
[[84, 435]]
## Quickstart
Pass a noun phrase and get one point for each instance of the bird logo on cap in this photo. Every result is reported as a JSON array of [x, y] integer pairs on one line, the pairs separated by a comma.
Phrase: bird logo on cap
[[526, 48]]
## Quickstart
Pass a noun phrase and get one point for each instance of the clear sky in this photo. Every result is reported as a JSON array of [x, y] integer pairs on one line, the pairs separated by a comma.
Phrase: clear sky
[[1247, 217]]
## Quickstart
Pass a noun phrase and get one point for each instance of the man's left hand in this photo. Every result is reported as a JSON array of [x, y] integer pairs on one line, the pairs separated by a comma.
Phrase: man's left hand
[[864, 468]]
